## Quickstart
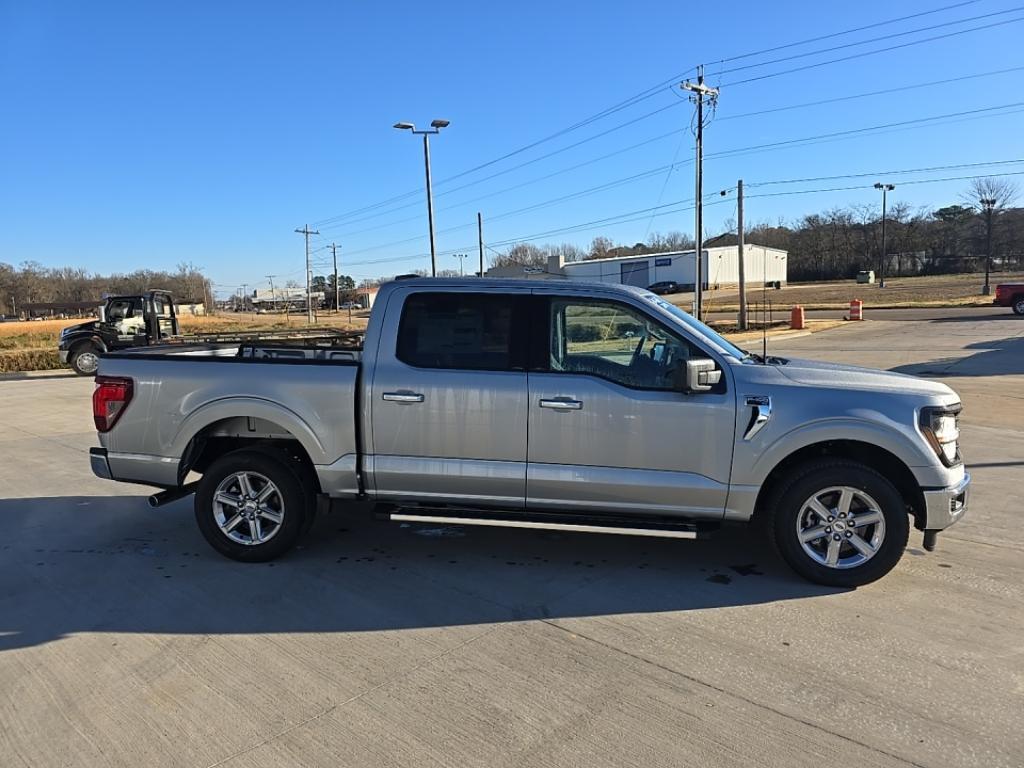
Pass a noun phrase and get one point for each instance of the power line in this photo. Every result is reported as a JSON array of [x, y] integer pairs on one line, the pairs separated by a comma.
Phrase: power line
[[917, 122], [849, 31], [638, 145], [884, 173], [648, 93], [880, 92], [805, 67], [671, 208], [871, 40], [868, 186]]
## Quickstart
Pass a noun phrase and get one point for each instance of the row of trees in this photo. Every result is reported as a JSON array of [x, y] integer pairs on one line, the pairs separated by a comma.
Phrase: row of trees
[[839, 242], [32, 283]]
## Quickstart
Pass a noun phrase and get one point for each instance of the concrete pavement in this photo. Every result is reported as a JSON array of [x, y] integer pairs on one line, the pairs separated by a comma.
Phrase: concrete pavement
[[125, 641]]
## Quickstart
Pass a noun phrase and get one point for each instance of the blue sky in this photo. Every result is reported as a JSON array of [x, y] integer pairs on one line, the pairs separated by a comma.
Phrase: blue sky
[[139, 135]]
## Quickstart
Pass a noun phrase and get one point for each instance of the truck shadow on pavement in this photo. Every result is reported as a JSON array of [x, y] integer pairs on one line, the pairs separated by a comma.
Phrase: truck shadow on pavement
[[112, 564], [999, 357]]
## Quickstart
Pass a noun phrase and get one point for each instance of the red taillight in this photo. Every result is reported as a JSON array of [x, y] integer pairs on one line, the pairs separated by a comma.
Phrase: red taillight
[[111, 397]]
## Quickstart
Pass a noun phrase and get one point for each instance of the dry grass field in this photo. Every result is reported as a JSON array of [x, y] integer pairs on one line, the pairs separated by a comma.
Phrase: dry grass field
[[32, 345], [929, 291]]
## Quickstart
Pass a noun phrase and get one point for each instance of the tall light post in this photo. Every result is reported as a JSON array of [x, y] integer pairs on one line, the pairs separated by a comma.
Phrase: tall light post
[[436, 126], [462, 260], [989, 204], [881, 271]]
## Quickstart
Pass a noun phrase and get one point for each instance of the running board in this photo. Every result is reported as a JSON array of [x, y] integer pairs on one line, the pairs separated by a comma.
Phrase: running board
[[668, 532]]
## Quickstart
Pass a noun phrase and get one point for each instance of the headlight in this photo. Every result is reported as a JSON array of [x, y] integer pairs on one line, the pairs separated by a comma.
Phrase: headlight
[[941, 428]]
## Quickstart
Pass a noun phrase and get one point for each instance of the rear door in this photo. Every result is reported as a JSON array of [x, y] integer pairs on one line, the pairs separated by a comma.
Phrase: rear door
[[448, 399], [609, 430]]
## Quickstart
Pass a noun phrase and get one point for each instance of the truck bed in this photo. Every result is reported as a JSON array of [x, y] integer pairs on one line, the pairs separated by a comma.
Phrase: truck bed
[[186, 394]]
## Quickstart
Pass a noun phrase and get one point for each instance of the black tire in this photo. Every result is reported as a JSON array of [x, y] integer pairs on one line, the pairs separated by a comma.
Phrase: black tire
[[789, 511], [1018, 305], [84, 359], [290, 499]]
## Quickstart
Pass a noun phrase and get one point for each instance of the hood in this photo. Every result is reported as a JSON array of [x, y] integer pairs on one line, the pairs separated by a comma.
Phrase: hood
[[92, 325], [833, 375]]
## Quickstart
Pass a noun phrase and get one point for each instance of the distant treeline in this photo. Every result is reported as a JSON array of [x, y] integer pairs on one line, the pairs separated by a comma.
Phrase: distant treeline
[[837, 243], [32, 283]]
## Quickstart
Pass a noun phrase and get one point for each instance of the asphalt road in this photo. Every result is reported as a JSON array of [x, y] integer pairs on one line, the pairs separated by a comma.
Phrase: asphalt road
[[124, 641]]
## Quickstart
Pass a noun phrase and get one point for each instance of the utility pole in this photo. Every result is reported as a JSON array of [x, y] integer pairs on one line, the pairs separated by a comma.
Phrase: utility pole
[[337, 292], [699, 95], [990, 204], [743, 256], [462, 260], [480, 239], [306, 231], [882, 264], [273, 294], [245, 295]]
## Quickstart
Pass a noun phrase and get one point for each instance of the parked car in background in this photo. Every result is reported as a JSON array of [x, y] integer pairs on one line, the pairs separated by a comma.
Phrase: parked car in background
[[1010, 295], [663, 287], [670, 432]]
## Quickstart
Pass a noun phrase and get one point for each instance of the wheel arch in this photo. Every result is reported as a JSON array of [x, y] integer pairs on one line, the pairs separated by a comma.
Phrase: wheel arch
[[220, 428], [883, 461]]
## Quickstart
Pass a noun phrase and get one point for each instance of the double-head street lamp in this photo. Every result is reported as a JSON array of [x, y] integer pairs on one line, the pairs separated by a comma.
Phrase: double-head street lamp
[[435, 127], [989, 205], [881, 272]]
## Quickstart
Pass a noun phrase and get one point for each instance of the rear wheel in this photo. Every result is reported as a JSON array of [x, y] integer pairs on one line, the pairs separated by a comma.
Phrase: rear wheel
[[85, 359], [1018, 305], [840, 523], [250, 506]]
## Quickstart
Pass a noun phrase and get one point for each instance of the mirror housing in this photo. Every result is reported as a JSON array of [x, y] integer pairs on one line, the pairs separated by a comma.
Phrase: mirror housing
[[102, 312], [701, 375]]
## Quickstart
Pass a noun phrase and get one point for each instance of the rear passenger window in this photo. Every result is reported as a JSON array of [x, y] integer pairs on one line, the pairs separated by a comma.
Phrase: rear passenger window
[[469, 331]]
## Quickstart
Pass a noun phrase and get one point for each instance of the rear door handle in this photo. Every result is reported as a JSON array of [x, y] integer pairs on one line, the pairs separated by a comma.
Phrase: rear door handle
[[403, 397], [562, 405]]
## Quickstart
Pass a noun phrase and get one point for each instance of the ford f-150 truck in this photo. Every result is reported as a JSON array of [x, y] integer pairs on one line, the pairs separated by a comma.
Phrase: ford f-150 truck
[[536, 404]]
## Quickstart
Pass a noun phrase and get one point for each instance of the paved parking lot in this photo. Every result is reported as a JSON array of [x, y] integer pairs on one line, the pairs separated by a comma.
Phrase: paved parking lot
[[125, 641]]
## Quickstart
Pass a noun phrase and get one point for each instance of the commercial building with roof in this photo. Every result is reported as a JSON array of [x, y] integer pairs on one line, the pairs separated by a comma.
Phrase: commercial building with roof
[[720, 268]]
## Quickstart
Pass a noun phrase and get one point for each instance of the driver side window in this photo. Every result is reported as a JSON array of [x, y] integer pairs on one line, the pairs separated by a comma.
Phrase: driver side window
[[615, 342]]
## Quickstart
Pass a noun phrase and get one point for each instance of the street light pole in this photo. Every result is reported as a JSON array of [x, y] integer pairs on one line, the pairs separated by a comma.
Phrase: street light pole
[[462, 260], [436, 125], [881, 271]]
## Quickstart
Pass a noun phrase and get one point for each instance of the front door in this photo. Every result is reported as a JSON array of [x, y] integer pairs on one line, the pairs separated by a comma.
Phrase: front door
[[609, 428], [448, 408]]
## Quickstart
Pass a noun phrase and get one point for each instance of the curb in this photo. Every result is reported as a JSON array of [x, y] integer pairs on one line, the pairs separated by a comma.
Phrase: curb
[[26, 375]]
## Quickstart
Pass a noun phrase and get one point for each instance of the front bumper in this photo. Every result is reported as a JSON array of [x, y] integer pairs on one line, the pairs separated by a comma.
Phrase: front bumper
[[63, 356], [99, 463], [945, 506]]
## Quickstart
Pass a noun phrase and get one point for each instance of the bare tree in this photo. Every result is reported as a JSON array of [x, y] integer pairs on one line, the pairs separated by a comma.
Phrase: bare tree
[[1002, 191]]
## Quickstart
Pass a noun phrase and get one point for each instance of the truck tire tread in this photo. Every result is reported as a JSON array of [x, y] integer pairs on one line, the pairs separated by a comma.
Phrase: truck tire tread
[[792, 492], [272, 465]]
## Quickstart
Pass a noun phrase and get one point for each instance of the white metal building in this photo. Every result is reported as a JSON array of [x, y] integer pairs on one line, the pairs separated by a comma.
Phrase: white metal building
[[721, 267]]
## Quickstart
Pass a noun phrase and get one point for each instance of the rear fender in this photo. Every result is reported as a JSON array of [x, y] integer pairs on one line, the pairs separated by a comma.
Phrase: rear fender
[[250, 409]]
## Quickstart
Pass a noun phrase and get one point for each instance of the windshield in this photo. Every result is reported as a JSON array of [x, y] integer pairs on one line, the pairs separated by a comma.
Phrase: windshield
[[691, 322]]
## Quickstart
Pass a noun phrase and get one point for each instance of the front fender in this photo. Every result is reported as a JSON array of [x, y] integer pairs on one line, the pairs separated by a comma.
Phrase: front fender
[[898, 439], [249, 407]]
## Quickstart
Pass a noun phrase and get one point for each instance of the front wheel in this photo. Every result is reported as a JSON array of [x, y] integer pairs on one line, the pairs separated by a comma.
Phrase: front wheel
[[1018, 305], [85, 359], [250, 506], [840, 523]]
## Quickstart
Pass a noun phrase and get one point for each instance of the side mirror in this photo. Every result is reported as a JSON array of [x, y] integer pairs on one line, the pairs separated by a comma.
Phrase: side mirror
[[102, 312], [701, 375]]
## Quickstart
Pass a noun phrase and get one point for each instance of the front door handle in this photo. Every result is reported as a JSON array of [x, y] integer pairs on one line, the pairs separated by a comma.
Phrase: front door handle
[[403, 397], [562, 404]]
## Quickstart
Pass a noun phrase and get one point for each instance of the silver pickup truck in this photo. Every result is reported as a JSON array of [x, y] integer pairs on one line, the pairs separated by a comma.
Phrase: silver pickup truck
[[537, 404]]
